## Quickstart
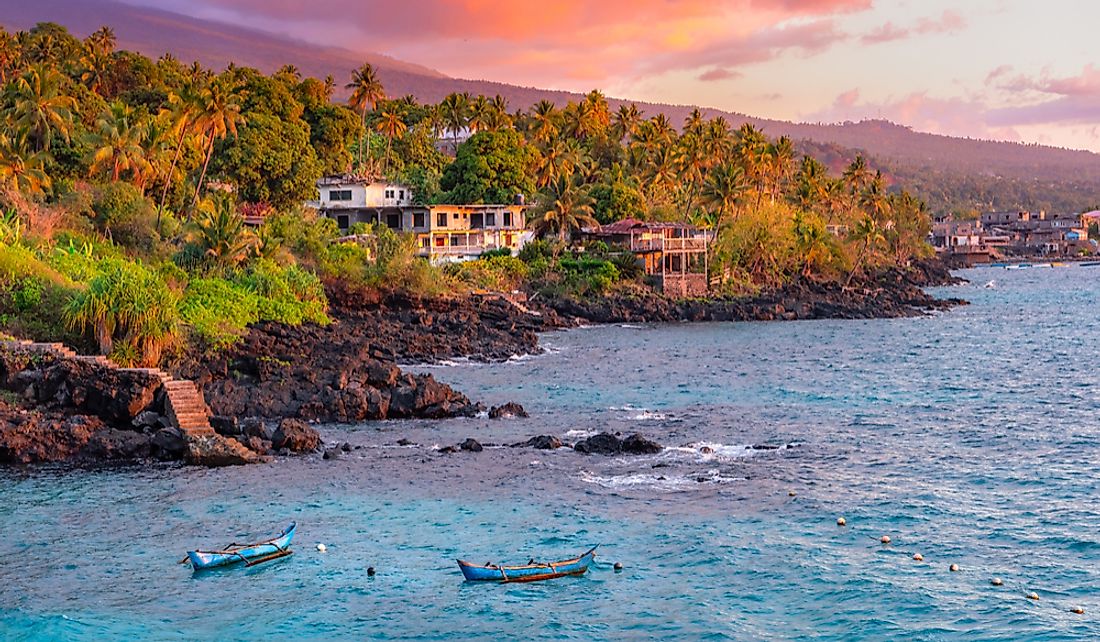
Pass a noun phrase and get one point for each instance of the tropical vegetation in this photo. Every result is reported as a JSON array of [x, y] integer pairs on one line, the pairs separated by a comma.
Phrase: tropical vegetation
[[152, 204]]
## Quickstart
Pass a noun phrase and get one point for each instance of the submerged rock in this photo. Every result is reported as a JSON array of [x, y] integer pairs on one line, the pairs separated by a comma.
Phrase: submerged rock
[[541, 442], [602, 444], [507, 411], [639, 445], [471, 445], [608, 444], [297, 436]]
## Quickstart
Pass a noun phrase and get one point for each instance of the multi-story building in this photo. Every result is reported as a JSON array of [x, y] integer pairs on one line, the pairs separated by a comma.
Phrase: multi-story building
[[674, 254], [444, 232]]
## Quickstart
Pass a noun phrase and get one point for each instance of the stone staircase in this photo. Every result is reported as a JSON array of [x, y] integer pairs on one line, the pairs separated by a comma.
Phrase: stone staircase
[[185, 406]]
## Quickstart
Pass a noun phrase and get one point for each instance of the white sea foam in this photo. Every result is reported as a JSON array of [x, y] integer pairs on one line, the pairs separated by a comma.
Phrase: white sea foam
[[631, 326], [712, 451], [638, 413], [656, 481], [582, 434]]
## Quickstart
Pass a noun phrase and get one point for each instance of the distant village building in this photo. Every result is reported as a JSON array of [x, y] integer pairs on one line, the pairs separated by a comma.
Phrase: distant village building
[[675, 254], [998, 235], [443, 232], [450, 140]]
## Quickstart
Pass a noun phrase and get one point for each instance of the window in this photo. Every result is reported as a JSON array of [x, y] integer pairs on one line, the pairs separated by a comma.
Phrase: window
[[339, 195], [456, 216], [389, 193], [342, 222], [393, 221], [507, 219], [476, 221], [402, 195], [418, 219], [491, 218], [455, 240], [441, 219], [440, 241]]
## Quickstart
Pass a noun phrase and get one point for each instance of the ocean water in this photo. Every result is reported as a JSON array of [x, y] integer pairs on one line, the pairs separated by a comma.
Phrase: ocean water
[[969, 436]]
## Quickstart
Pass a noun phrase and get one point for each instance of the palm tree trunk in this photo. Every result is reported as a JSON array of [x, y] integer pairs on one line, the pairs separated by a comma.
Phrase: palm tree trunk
[[855, 268], [202, 176], [168, 178], [363, 121]]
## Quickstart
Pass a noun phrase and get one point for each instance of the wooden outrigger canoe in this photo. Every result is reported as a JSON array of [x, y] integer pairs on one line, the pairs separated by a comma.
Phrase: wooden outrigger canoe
[[249, 554], [527, 572]]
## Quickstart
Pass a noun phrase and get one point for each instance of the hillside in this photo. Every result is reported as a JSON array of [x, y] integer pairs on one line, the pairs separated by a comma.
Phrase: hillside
[[950, 173]]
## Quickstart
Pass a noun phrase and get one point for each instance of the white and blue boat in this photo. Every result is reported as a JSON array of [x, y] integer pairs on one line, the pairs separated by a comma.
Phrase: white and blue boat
[[530, 572], [248, 554]]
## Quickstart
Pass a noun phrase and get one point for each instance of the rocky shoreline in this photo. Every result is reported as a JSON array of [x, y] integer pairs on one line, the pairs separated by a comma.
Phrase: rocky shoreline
[[889, 294], [262, 391]]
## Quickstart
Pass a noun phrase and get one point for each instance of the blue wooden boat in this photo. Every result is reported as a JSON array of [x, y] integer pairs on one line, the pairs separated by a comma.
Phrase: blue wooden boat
[[530, 572], [249, 554]]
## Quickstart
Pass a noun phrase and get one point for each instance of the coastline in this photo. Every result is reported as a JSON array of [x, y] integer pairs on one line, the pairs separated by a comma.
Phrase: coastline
[[262, 392]]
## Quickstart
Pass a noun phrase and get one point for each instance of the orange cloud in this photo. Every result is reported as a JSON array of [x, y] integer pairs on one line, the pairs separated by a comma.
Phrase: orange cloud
[[540, 42]]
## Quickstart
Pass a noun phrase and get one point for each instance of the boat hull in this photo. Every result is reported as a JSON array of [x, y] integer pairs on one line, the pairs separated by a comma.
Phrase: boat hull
[[201, 560], [528, 572]]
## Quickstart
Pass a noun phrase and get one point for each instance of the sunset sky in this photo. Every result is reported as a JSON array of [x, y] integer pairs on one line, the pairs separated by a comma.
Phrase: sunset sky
[[1005, 69]]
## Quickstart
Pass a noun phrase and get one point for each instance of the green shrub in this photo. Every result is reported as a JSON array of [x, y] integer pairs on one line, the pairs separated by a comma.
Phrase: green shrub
[[125, 302], [218, 311], [503, 273]]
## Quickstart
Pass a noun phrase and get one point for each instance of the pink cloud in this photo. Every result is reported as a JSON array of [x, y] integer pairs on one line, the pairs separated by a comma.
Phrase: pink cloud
[[885, 33], [948, 22], [1066, 99], [919, 110], [719, 73]]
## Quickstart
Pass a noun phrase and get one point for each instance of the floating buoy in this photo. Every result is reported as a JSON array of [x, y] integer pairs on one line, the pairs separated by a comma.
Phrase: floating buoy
[[953, 568], [996, 581], [322, 548], [885, 539], [840, 521], [618, 566], [1078, 610], [1033, 596], [918, 557], [370, 571]]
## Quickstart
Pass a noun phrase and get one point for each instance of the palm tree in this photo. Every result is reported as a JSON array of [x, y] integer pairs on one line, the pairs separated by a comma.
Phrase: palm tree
[[480, 109], [811, 241], [22, 170], [559, 159], [391, 126], [116, 144], [867, 234], [221, 232], [219, 115], [40, 105], [366, 90], [694, 122], [723, 189], [546, 119], [626, 121], [566, 210], [455, 111], [10, 56], [184, 109]]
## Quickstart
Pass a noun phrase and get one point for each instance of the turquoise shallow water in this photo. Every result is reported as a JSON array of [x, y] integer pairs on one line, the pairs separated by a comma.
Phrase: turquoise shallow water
[[970, 437]]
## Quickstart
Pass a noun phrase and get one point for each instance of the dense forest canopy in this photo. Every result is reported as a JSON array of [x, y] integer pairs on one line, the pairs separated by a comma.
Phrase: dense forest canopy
[[126, 181]]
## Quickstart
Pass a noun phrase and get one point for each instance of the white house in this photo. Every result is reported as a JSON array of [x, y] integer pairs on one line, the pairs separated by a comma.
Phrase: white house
[[444, 232]]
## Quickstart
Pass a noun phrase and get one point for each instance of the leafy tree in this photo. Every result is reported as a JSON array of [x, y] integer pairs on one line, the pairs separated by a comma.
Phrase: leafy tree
[[491, 167], [271, 161]]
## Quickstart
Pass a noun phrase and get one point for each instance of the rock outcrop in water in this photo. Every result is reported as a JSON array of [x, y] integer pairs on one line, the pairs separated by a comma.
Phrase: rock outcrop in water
[[892, 293], [606, 443]]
